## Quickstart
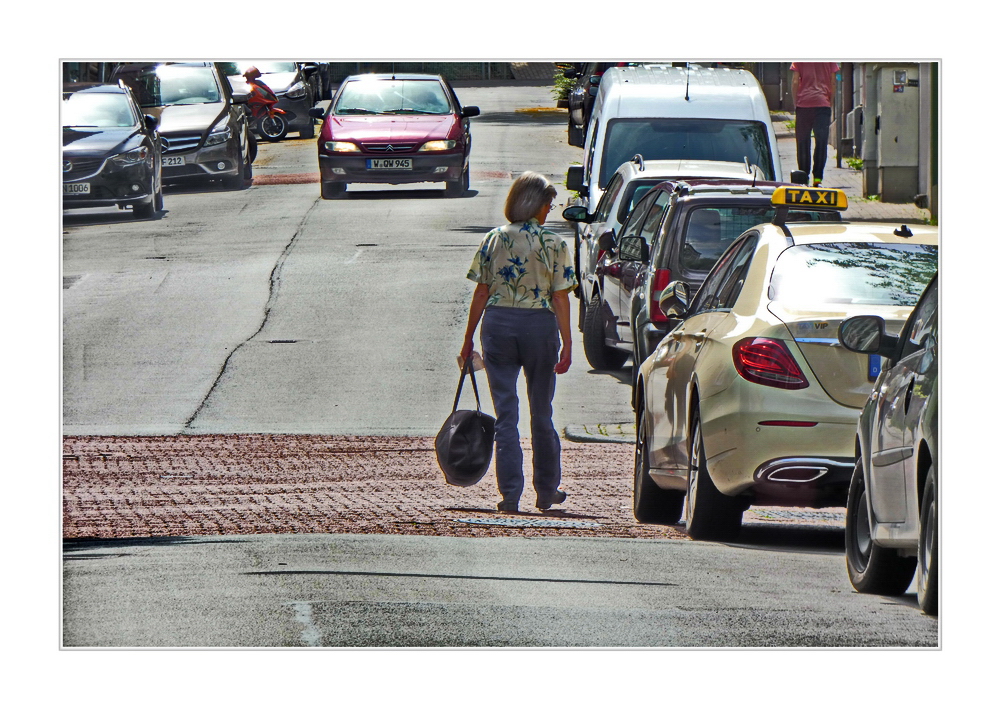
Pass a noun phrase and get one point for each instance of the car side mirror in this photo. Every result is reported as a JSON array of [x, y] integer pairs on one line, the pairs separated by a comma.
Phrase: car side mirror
[[675, 299], [633, 249], [577, 213], [241, 98], [309, 67], [866, 334], [152, 122], [317, 112], [570, 73], [800, 177], [574, 179], [470, 111], [606, 242]]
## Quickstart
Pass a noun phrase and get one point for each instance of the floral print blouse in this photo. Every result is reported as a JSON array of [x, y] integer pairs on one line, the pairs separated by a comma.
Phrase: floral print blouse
[[523, 264]]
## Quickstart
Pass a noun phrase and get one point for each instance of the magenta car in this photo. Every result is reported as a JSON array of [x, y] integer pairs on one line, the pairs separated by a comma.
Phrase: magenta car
[[394, 129]]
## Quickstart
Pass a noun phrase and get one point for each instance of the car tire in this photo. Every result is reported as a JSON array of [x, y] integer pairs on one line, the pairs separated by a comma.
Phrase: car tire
[[650, 503], [599, 355], [576, 135], [332, 190], [251, 147], [927, 549], [146, 210], [457, 188], [708, 513], [872, 569], [309, 131], [583, 314]]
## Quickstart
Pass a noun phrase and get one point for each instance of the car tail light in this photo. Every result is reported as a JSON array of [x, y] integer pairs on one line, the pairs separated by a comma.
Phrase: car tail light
[[768, 362], [659, 280]]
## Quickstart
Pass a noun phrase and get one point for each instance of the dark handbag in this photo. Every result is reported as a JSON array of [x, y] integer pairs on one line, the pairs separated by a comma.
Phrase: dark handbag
[[464, 445]]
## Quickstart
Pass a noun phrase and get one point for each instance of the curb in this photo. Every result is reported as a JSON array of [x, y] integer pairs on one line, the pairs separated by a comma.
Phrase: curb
[[601, 433]]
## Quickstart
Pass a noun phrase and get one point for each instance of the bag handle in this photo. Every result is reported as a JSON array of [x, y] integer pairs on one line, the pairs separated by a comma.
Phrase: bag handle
[[467, 370]]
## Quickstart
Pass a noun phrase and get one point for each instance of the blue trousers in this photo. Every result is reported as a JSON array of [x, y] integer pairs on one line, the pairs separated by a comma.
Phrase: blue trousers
[[516, 339]]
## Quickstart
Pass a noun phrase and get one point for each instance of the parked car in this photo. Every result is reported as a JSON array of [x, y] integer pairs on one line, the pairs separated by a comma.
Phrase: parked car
[[581, 96], [674, 113], [751, 399], [684, 226], [631, 181], [395, 129], [291, 83], [203, 127], [892, 503], [111, 151]]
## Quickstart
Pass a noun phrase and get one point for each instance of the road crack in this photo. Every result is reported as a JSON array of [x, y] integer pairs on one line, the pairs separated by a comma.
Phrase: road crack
[[272, 298]]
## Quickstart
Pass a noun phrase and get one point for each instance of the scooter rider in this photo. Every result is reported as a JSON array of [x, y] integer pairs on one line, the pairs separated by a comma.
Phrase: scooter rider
[[261, 96]]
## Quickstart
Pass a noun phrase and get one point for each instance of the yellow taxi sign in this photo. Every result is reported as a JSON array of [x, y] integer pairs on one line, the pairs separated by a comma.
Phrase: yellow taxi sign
[[810, 196]]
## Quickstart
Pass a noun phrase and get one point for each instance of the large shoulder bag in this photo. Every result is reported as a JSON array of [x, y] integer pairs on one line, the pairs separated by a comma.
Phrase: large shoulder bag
[[464, 445]]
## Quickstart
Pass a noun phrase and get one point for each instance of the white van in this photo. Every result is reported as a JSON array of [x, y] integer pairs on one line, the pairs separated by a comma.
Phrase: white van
[[674, 113]]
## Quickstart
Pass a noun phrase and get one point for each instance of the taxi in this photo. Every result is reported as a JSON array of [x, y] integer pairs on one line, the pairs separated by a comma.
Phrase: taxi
[[751, 399]]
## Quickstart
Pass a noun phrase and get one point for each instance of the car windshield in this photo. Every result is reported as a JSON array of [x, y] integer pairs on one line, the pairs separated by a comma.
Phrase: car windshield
[[173, 85], [372, 96], [85, 110], [239, 68], [710, 230], [866, 274], [685, 139]]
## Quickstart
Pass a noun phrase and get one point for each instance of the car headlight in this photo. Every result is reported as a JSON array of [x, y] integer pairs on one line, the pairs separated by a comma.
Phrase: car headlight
[[132, 157], [220, 133], [437, 145], [296, 90], [341, 147]]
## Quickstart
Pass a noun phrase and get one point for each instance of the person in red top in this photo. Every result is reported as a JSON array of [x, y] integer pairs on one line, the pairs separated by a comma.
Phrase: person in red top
[[812, 87]]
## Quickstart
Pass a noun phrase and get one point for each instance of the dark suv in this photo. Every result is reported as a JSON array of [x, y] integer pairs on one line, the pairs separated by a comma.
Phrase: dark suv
[[677, 231], [581, 96], [203, 127]]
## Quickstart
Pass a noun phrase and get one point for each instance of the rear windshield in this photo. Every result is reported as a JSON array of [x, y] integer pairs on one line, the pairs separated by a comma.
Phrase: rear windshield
[[172, 85], [708, 231], [864, 274], [83, 110], [685, 139], [369, 96]]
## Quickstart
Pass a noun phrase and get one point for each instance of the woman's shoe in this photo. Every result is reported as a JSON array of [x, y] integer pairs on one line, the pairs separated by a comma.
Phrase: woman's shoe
[[507, 506], [545, 503]]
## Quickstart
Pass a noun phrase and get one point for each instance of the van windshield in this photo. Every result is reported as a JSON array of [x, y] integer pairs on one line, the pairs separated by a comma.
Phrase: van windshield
[[684, 139]]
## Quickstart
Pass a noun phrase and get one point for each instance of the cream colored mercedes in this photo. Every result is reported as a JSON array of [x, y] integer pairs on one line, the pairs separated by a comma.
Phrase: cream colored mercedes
[[751, 399]]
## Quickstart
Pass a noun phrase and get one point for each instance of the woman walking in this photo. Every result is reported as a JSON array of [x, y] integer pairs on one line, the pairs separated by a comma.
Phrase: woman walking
[[524, 275]]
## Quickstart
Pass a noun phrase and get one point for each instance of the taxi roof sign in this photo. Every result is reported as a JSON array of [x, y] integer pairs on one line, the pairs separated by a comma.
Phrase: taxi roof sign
[[814, 197]]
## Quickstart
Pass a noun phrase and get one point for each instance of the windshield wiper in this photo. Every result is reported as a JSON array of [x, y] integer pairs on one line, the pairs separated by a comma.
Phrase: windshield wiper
[[355, 110], [413, 110]]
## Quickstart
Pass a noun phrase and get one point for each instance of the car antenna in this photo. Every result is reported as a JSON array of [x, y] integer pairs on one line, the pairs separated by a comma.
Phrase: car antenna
[[746, 161], [687, 85]]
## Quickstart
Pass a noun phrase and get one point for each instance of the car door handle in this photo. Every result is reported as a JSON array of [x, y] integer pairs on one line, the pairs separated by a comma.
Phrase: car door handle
[[699, 340], [909, 394]]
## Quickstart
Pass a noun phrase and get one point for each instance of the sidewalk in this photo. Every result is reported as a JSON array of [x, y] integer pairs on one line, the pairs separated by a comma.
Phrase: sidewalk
[[859, 209]]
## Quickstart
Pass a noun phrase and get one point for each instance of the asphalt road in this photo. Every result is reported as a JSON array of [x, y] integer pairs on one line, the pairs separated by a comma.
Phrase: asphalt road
[[269, 311]]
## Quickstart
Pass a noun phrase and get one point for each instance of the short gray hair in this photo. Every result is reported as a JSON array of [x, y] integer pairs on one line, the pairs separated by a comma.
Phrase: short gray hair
[[529, 193]]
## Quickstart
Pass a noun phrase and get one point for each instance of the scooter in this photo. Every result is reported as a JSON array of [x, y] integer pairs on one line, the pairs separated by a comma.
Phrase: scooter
[[269, 120]]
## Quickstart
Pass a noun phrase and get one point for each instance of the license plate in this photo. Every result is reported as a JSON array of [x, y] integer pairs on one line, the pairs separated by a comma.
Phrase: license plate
[[76, 188], [390, 164], [169, 160]]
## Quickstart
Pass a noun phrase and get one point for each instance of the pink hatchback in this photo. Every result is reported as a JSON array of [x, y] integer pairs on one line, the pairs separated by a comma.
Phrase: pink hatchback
[[394, 129]]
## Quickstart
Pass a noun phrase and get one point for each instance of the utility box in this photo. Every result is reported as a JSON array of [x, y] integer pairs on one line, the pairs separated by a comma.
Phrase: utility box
[[896, 131]]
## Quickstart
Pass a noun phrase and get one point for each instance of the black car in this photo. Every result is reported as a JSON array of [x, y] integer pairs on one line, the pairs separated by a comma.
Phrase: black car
[[203, 127], [581, 96], [682, 228], [394, 129], [111, 151], [296, 86]]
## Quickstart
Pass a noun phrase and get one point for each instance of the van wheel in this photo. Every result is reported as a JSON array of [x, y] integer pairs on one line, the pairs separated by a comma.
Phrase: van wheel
[[599, 355]]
